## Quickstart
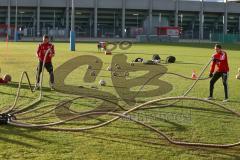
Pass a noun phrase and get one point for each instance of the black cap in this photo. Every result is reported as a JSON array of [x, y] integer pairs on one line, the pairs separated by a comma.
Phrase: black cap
[[45, 36], [218, 46]]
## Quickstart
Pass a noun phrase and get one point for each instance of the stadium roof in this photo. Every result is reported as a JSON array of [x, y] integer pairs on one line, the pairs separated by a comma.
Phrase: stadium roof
[[207, 0]]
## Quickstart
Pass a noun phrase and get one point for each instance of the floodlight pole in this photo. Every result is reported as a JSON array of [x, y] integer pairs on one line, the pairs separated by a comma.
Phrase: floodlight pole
[[176, 13], [225, 19], [137, 21], [150, 17], [159, 19], [16, 23], [114, 25], [181, 19], [239, 24], [38, 17], [9, 19], [123, 18], [90, 25], [54, 24], [201, 20], [72, 32], [67, 20], [96, 18]]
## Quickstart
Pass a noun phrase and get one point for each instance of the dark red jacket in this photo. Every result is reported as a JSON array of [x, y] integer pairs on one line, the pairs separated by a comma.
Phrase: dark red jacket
[[221, 61], [42, 49], [2, 81]]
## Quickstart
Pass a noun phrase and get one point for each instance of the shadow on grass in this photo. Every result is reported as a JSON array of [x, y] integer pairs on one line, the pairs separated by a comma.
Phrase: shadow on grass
[[11, 141], [19, 137], [158, 143], [14, 94], [196, 108], [151, 142], [190, 63], [176, 126], [25, 86]]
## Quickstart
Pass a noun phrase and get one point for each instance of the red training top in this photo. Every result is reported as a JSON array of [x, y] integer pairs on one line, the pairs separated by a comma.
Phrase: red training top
[[221, 60], [42, 49], [3, 81]]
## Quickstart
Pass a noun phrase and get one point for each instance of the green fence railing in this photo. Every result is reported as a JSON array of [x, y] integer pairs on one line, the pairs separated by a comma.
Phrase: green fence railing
[[225, 38]]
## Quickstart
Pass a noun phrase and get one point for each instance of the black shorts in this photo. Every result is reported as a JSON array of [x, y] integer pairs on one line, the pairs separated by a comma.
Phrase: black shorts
[[48, 66]]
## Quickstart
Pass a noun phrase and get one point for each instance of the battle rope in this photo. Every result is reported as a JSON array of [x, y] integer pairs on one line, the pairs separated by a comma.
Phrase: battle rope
[[189, 90], [11, 109], [124, 115], [11, 120]]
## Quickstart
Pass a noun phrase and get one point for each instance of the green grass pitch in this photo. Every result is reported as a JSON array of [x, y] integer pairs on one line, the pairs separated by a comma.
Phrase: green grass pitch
[[187, 120]]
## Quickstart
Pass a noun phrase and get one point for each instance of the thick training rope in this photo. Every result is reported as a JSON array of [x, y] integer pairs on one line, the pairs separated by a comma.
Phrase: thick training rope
[[189, 90], [11, 109], [52, 126], [161, 133], [105, 98], [19, 90], [124, 115]]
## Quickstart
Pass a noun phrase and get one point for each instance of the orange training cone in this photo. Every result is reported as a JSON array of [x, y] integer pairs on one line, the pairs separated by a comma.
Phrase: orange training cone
[[194, 76]]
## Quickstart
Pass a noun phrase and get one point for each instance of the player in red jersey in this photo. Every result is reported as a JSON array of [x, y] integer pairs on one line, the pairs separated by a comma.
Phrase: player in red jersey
[[219, 69], [41, 52]]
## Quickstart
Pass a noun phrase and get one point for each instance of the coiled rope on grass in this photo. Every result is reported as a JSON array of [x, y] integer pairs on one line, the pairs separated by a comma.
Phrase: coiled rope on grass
[[52, 126]]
